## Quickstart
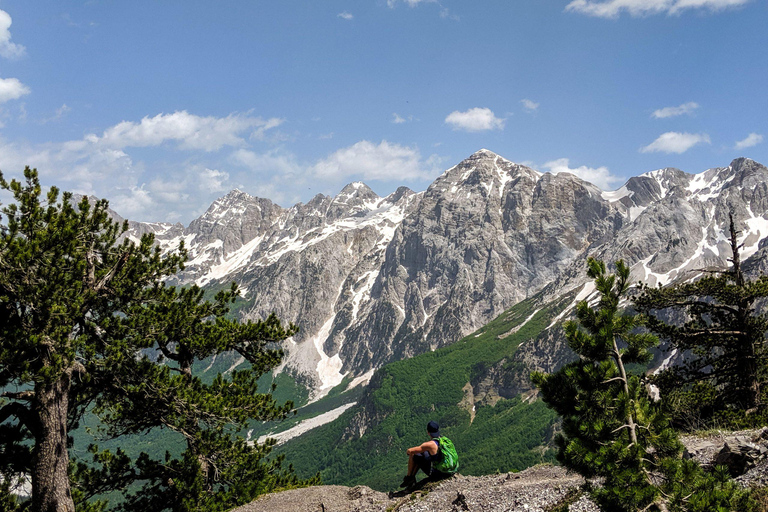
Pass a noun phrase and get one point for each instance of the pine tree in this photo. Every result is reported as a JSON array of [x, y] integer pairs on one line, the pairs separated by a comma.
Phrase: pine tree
[[76, 307], [610, 428], [218, 469], [723, 337], [63, 278]]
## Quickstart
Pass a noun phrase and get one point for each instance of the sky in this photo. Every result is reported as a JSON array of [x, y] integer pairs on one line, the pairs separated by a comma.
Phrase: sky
[[162, 107]]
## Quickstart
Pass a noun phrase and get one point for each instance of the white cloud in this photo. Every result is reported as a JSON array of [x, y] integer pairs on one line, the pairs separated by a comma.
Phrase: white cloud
[[190, 131], [281, 168], [213, 180], [63, 109], [685, 108], [753, 139], [383, 161], [446, 13], [271, 162], [345, 15], [529, 105], [11, 89], [712, 5], [102, 166], [260, 133], [613, 8], [599, 176], [163, 188], [60, 112], [475, 120], [173, 195], [175, 189], [398, 119], [410, 3], [8, 49], [133, 202], [675, 142]]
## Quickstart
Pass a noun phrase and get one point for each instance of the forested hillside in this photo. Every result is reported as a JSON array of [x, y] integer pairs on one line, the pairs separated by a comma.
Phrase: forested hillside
[[366, 445]]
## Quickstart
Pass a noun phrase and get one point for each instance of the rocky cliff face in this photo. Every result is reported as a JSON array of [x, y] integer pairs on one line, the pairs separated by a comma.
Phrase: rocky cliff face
[[370, 280]]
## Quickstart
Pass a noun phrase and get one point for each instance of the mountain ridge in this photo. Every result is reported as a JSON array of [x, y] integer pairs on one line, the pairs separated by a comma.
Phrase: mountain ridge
[[371, 280]]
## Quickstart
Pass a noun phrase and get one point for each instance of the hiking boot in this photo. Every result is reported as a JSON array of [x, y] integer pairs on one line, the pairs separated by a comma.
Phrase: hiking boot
[[408, 481]]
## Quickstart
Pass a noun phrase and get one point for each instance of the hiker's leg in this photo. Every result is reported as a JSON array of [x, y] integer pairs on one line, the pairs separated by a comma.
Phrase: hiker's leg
[[422, 463], [412, 467]]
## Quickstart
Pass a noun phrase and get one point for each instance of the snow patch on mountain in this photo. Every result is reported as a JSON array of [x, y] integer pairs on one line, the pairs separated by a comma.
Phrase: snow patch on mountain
[[661, 178], [750, 239], [328, 368], [362, 380], [587, 290], [234, 262], [306, 425], [616, 195]]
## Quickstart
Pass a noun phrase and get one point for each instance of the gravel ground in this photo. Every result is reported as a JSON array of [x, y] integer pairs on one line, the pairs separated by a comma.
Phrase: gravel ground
[[533, 490], [536, 489], [323, 498]]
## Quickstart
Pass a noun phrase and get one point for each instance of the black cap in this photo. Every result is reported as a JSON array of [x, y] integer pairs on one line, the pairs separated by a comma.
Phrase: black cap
[[433, 428]]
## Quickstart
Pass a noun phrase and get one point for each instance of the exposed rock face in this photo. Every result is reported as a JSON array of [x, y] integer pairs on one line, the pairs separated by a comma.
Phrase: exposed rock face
[[370, 280], [740, 451], [536, 489], [486, 234]]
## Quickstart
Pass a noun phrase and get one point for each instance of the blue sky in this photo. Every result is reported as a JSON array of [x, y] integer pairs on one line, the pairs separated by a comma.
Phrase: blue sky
[[161, 107]]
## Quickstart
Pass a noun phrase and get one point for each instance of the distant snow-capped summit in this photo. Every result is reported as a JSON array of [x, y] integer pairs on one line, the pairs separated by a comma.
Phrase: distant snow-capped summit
[[370, 280]]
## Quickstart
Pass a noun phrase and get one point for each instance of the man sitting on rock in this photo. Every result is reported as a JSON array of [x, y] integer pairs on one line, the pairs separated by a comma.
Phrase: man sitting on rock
[[427, 457]]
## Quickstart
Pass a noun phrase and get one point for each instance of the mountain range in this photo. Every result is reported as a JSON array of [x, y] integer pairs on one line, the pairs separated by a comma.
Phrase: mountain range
[[370, 280]]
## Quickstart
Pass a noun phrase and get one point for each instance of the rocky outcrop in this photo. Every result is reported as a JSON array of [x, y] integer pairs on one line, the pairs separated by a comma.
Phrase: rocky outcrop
[[536, 489], [539, 488], [740, 452]]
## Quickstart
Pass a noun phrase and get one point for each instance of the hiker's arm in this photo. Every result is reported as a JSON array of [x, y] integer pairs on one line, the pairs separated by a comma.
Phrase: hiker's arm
[[429, 446]]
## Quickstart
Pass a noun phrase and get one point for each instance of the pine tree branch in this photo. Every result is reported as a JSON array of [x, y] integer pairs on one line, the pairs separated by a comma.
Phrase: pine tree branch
[[710, 332], [20, 412], [709, 271], [168, 354], [18, 395], [693, 303], [119, 264]]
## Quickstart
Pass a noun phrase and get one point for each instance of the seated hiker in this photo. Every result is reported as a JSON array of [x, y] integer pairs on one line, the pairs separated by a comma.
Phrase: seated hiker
[[436, 457]]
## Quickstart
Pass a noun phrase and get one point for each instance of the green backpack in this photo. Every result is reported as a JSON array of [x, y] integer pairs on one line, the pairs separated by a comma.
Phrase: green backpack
[[449, 462]]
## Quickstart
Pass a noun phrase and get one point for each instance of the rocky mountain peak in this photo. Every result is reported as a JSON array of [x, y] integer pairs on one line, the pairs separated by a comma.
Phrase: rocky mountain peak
[[354, 199], [232, 203], [484, 158], [748, 172], [399, 194], [371, 279], [482, 174], [355, 191], [483, 154]]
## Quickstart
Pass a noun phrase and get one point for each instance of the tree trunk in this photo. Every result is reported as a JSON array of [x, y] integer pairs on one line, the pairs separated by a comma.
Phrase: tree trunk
[[50, 481], [630, 420], [185, 368]]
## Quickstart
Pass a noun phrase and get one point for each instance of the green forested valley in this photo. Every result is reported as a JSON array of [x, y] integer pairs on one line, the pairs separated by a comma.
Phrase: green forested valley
[[404, 396]]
